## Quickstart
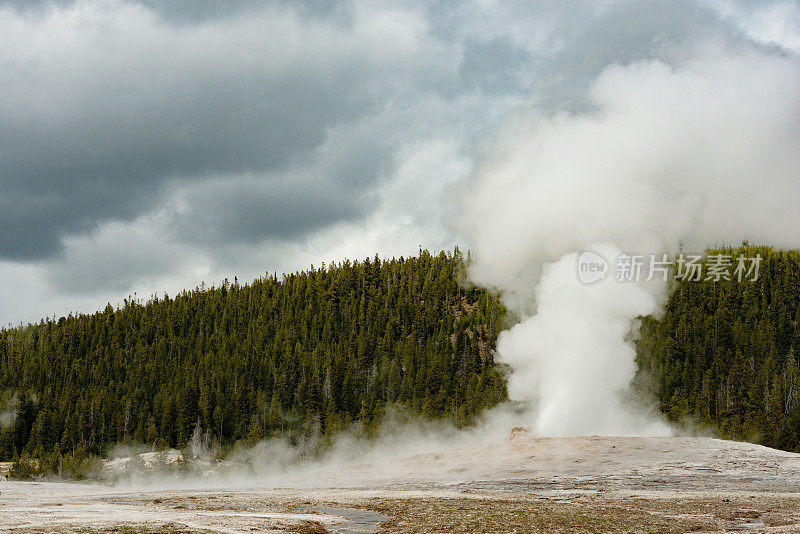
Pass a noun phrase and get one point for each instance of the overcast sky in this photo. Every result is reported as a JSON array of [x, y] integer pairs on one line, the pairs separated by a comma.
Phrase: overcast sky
[[148, 146]]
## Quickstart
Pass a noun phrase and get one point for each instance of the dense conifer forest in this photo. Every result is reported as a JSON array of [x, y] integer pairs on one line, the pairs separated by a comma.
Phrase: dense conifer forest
[[725, 354], [315, 352], [302, 357]]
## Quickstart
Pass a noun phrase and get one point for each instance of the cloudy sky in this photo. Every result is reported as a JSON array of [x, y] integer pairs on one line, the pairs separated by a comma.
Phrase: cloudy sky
[[146, 146]]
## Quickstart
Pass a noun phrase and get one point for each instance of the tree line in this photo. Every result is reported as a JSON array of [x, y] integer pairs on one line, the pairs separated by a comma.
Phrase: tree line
[[726, 354], [302, 357], [315, 352]]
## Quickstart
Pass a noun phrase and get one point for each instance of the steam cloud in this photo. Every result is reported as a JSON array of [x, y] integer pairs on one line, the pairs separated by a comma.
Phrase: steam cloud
[[703, 151]]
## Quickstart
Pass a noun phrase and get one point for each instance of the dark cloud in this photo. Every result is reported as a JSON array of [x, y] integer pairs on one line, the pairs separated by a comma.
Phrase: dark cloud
[[226, 124], [107, 157], [621, 33], [252, 210], [203, 10], [96, 133], [553, 50]]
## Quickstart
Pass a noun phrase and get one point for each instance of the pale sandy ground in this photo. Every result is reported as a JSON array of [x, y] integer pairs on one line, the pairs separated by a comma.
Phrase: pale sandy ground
[[524, 484]]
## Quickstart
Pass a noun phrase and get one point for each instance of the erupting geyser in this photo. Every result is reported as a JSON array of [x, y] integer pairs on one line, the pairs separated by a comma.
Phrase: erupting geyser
[[701, 152]]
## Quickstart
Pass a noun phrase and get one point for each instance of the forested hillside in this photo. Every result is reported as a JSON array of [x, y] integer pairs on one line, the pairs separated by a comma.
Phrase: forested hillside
[[315, 352], [303, 356], [726, 354]]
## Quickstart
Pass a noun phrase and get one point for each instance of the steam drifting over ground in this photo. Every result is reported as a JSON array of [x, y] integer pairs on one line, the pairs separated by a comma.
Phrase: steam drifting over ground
[[351, 459], [701, 151], [524, 484]]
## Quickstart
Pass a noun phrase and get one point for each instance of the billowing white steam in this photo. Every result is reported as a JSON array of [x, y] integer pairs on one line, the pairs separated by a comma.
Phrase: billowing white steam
[[705, 152], [571, 357]]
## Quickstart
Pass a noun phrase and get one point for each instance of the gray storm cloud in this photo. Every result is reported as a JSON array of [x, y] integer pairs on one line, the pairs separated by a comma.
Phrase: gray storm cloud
[[234, 137], [704, 152], [105, 104]]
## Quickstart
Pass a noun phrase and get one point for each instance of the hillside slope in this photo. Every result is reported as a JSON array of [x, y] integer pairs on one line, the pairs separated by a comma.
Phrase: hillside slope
[[318, 351], [303, 356], [727, 354]]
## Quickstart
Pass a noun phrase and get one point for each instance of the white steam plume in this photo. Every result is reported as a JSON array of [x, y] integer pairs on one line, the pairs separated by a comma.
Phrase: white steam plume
[[704, 152]]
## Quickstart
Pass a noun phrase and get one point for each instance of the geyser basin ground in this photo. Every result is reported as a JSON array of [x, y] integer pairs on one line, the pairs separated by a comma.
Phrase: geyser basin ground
[[523, 484]]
